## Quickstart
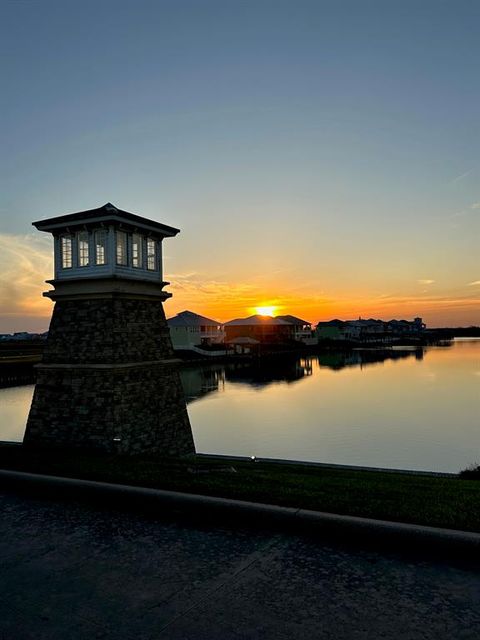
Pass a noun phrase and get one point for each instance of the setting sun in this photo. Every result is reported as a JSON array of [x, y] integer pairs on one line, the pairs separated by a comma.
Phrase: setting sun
[[265, 311]]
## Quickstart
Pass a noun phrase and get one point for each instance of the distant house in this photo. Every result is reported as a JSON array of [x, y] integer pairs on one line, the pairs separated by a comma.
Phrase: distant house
[[403, 326], [302, 330], [330, 330], [367, 330], [188, 329], [391, 328], [264, 329], [370, 330]]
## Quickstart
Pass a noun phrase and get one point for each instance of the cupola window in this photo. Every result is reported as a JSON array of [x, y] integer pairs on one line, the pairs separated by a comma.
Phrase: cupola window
[[83, 253], [100, 247], [66, 251], [151, 254], [121, 248], [136, 250]]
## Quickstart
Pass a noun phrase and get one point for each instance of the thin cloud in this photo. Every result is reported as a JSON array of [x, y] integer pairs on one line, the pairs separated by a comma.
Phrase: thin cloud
[[462, 176], [462, 213], [184, 276], [426, 281], [474, 283], [25, 263], [433, 301]]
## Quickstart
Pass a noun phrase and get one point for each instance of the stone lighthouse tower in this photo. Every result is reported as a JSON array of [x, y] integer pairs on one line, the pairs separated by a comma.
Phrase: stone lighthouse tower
[[108, 380]]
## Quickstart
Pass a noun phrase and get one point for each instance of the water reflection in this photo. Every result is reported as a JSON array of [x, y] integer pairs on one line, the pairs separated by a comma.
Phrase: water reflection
[[199, 381], [399, 408]]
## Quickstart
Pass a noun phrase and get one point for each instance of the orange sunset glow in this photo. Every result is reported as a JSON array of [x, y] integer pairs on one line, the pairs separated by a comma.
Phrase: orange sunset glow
[[310, 173], [26, 262], [266, 311], [224, 300]]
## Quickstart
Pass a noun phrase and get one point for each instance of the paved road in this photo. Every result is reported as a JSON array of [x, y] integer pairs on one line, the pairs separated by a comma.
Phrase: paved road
[[73, 572]]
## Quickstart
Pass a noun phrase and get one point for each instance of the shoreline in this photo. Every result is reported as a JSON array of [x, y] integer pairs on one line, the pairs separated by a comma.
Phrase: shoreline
[[27, 356], [423, 499]]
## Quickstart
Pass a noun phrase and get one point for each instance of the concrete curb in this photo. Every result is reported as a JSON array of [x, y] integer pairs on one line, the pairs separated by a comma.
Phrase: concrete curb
[[448, 544]]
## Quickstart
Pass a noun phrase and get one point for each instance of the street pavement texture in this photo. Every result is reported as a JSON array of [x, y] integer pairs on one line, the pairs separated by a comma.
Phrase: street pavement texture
[[72, 571]]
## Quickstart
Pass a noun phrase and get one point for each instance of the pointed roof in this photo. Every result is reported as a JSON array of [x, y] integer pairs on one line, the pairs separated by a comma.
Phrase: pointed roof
[[190, 319], [293, 320], [106, 214], [255, 320]]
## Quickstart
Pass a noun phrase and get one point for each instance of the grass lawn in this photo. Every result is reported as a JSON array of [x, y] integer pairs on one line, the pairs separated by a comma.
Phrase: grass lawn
[[434, 501]]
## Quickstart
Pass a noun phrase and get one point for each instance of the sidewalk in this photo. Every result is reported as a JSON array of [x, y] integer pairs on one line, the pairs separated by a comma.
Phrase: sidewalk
[[77, 572]]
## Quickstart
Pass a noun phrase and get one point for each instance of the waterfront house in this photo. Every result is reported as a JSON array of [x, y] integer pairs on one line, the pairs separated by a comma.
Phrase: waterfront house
[[302, 330], [188, 329], [368, 330], [264, 329], [401, 327], [337, 330]]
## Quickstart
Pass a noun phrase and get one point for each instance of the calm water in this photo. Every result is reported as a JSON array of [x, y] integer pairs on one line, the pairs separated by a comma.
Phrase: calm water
[[411, 409]]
